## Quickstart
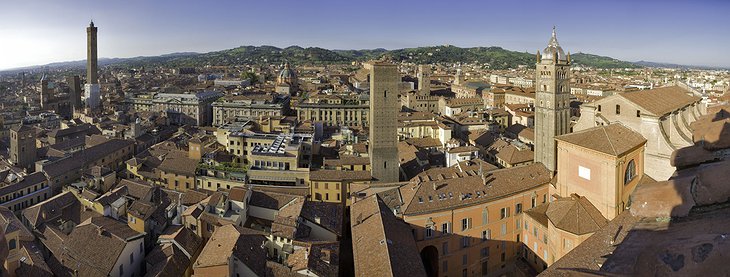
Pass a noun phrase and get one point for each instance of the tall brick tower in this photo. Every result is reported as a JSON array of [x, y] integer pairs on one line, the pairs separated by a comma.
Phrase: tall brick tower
[[92, 94], [74, 85], [424, 79], [23, 146], [384, 105], [91, 58], [552, 101]]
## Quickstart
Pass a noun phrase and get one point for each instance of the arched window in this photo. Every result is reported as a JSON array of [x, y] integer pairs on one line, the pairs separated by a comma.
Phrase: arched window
[[11, 244], [630, 172], [599, 108], [618, 109]]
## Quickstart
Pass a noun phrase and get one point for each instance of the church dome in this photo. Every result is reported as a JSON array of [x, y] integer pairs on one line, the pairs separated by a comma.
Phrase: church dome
[[553, 49], [287, 75]]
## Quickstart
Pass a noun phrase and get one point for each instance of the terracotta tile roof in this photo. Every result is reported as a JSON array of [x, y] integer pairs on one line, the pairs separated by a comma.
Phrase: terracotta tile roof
[[538, 214], [166, 260], [449, 192], [321, 259], [92, 252], [238, 194], [482, 138], [113, 195], [10, 223], [613, 139], [327, 215], [241, 243], [51, 209], [660, 101], [382, 244], [475, 166], [179, 163], [217, 199], [347, 160], [575, 214], [424, 142], [195, 211], [339, 175], [28, 181], [84, 157], [274, 269], [274, 201], [411, 159], [78, 130], [301, 191], [138, 189], [191, 197], [513, 155], [286, 223], [461, 102], [462, 149], [142, 209], [527, 134], [515, 129], [32, 262], [184, 237]]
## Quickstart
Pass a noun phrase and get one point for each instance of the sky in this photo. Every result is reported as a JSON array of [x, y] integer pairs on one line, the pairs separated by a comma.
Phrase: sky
[[684, 32]]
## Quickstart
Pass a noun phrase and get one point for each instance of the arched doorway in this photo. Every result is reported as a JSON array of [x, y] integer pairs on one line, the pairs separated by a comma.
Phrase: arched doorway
[[430, 258]]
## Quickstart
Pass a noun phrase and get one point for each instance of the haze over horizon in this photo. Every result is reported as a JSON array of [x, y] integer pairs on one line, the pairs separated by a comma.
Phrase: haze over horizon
[[681, 32]]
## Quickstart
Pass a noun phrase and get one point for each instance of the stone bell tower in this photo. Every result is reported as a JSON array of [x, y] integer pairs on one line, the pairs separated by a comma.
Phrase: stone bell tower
[[552, 101]]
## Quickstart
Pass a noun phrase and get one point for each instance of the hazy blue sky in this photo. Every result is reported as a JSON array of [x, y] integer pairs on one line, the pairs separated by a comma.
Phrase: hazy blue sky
[[687, 32]]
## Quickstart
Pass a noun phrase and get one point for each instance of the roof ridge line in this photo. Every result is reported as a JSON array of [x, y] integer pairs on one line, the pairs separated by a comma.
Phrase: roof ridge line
[[381, 218], [609, 141]]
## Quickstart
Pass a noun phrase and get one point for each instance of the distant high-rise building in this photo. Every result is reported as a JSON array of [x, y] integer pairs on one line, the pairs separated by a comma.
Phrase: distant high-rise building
[[74, 90], [22, 146], [384, 105], [92, 93], [552, 101], [424, 79]]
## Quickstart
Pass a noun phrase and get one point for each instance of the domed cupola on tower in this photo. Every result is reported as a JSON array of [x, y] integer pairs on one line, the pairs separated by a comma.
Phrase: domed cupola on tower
[[553, 49]]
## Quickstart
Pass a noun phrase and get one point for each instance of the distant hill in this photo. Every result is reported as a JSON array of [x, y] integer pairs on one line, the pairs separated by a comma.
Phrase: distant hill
[[600, 61], [493, 57], [678, 66]]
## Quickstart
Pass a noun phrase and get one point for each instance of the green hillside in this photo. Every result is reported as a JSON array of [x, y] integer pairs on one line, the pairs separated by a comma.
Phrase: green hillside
[[492, 57]]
